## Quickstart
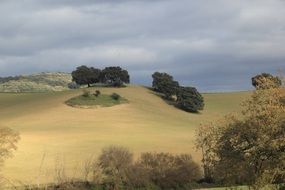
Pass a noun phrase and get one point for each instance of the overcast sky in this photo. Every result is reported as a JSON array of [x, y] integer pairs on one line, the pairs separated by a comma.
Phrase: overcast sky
[[215, 45]]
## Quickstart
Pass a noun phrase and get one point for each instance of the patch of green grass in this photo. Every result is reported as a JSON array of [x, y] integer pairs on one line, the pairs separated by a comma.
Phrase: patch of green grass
[[90, 100]]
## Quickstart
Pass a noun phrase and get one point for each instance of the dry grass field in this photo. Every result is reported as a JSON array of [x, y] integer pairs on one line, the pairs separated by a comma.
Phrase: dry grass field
[[54, 134]]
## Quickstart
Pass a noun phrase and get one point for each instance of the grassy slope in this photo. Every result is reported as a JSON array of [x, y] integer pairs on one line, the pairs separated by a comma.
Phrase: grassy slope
[[70, 135]]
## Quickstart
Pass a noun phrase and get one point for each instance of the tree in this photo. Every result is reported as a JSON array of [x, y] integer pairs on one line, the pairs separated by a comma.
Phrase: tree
[[164, 83], [265, 81], [248, 148], [189, 99], [84, 75], [115, 76]]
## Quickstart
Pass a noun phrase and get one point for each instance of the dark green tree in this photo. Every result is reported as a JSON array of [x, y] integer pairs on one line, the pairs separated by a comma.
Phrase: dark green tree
[[114, 76], [164, 83], [189, 99], [84, 75], [266, 81]]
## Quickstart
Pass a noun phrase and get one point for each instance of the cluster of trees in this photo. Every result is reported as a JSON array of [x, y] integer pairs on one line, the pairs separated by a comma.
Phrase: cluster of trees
[[186, 98], [111, 76], [248, 147]]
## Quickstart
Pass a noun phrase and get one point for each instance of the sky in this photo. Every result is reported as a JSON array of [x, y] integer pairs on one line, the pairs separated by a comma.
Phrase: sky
[[214, 45]]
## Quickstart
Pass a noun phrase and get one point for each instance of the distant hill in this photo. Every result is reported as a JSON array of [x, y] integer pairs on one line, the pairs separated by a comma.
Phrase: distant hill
[[41, 82]]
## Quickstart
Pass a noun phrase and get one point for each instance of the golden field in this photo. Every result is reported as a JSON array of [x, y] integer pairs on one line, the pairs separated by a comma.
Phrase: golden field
[[54, 134]]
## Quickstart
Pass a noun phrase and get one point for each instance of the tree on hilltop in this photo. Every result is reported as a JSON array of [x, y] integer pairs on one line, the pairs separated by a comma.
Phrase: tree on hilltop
[[189, 99], [164, 83], [114, 76], [84, 75]]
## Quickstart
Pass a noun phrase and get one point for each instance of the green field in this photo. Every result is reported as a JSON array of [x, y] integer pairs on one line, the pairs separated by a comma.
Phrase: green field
[[53, 133]]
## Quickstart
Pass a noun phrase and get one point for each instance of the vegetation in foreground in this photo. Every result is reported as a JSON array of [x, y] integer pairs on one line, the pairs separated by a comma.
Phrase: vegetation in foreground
[[249, 149], [116, 169], [93, 99]]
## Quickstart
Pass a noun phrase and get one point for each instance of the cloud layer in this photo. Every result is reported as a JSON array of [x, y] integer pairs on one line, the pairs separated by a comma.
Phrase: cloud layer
[[214, 45]]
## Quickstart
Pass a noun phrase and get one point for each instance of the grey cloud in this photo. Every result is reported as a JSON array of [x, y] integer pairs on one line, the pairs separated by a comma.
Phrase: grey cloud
[[214, 45]]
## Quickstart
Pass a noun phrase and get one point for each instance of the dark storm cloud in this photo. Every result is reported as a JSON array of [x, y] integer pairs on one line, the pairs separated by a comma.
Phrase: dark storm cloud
[[214, 45]]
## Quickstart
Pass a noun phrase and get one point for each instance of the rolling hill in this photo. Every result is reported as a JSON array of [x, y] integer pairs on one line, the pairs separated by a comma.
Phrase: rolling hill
[[40, 82], [53, 133]]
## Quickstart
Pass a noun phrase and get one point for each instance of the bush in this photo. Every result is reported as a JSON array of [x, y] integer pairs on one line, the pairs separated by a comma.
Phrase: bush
[[115, 96], [170, 171], [73, 85], [138, 177], [115, 162], [97, 93], [86, 93]]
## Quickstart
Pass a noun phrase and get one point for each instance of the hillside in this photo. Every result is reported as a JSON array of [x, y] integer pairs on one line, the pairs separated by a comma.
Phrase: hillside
[[41, 82], [53, 133]]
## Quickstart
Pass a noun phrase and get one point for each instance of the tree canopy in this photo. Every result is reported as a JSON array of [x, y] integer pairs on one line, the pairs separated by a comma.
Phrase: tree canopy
[[248, 147], [114, 76], [84, 75], [189, 99], [265, 81], [164, 83]]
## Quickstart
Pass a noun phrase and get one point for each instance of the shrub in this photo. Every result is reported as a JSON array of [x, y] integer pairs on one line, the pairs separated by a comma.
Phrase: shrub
[[115, 162], [115, 96], [97, 93], [138, 177], [86, 93], [170, 171]]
